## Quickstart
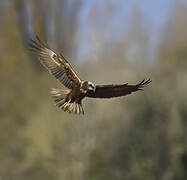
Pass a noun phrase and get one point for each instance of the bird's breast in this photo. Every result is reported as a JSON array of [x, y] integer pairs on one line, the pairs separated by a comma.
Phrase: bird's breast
[[78, 94]]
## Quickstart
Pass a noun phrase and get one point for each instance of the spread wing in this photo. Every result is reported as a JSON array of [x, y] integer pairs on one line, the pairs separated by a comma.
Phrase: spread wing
[[56, 64], [109, 91]]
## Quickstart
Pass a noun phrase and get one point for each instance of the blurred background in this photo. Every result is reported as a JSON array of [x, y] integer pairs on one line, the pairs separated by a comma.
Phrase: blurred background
[[138, 137]]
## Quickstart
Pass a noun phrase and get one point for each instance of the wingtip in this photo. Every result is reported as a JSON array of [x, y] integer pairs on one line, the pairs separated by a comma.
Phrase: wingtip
[[144, 83], [33, 38], [36, 41]]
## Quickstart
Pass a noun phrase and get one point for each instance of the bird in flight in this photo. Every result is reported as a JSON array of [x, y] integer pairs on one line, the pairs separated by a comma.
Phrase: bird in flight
[[70, 99]]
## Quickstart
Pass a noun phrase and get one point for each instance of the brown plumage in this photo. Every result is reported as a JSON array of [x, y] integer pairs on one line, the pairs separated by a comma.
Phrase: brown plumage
[[70, 100]]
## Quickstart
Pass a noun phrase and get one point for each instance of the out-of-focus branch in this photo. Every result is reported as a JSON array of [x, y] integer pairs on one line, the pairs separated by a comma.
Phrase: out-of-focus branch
[[25, 17]]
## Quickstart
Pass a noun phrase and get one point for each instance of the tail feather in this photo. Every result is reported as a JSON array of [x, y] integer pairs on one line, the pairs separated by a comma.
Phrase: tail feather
[[61, 100], [59, 94], [82, 110], [77, 109]]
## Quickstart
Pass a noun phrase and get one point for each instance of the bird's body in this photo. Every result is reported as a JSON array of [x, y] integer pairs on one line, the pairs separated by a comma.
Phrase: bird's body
[[70, 99]]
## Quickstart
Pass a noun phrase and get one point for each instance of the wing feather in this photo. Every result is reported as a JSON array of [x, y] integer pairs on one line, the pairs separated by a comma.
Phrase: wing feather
[[56, 64], [110, 91]]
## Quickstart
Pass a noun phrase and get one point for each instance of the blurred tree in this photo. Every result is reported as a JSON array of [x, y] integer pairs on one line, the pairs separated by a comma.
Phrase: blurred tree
[[68, 17], [24, 10], [57, 21], [172, 74], [138, 45], [172, 50]]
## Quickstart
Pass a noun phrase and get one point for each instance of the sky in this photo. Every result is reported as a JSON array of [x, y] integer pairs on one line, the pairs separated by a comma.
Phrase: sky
[[155, 11], [155, 14]]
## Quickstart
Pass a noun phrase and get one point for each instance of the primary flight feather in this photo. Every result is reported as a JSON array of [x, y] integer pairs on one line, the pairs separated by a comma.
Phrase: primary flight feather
[[70, 99]]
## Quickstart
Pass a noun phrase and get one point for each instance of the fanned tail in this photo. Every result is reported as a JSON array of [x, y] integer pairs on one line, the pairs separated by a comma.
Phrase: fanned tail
[[61, 100], [73, 107]]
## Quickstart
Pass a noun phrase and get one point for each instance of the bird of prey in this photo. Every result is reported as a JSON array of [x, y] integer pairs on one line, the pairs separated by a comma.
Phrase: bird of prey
[[70, 99]]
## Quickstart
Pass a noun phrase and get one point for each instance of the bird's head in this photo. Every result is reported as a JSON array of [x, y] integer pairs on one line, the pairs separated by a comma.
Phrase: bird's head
[[91, 86], [88, 86]]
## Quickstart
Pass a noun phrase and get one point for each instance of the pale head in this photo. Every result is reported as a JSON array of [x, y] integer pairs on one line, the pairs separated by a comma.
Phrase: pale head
[[91, 86], [88, 86]]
